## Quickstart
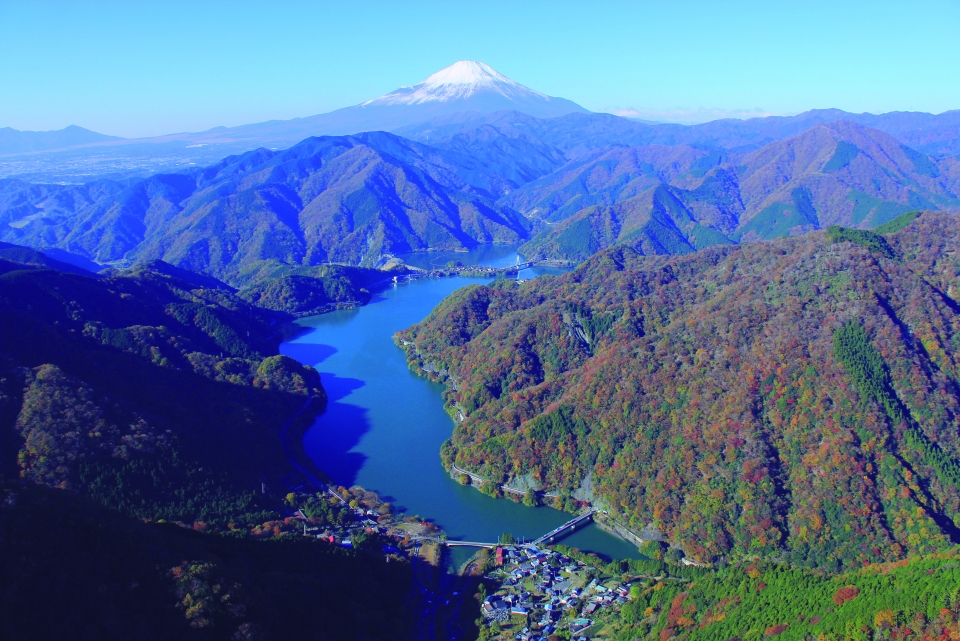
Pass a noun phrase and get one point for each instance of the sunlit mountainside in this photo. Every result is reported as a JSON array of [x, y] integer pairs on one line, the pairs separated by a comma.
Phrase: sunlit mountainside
[[746, 365], [792, 399], [454, 102], [569, 185]]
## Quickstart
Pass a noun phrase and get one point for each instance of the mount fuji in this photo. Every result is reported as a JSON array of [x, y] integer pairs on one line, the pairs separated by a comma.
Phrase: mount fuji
[[468, 108], [464, 91], [474, 86], [466, 86]]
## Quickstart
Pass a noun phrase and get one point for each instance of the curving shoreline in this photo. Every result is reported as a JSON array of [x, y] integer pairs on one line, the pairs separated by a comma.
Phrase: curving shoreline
[[404, 424]]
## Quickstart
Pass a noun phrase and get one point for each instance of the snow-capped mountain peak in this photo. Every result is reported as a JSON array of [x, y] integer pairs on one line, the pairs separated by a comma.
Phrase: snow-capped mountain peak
[[469, 72], [460, 80]]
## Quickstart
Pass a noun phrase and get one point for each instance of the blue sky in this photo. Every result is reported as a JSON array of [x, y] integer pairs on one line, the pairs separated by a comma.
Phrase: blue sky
[[142, 68]]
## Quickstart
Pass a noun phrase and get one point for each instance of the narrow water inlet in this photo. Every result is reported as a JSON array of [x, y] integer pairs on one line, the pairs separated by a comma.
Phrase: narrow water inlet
[[384, 426]]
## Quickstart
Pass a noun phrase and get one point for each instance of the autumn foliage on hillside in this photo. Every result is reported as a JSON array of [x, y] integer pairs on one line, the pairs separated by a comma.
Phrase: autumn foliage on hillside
[[796, 399]]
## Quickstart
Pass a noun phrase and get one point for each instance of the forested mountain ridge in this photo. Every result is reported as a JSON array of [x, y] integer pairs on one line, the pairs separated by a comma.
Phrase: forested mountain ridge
[[837, 162], [155, 396], [663, 200], [343, 199], [356, 199], [794, 399], [612, 175], [305, 291]]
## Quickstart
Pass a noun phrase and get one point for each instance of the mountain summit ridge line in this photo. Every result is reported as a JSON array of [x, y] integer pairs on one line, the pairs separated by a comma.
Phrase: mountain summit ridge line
[[461, 97]]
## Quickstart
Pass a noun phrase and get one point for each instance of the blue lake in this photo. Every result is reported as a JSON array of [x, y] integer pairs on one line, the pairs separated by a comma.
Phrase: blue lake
[[383, 426]]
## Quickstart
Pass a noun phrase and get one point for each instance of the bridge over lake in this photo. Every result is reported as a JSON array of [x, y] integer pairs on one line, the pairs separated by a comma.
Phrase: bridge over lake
[[569, 525], [469, 544], [546, 538]]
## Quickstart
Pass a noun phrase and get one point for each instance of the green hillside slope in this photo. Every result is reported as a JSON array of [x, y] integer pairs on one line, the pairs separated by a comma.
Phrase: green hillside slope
[[915, 598], [303, 291], [656, 222]]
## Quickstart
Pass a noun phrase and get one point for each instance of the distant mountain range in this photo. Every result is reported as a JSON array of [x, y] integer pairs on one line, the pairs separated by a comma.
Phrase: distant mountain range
[[463, 87], [669, 200], [13, 141], [356, 199], [937, 135], [476, 158], [453, 101]]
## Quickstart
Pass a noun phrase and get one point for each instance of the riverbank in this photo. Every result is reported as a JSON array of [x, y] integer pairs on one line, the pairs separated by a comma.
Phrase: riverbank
[[533, 499], [384, 425], [529, 497], [348, 517], [497, 490], [611, 526]]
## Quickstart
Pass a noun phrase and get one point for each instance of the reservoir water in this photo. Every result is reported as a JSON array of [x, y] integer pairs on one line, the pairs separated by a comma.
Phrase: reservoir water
[[383, 426]]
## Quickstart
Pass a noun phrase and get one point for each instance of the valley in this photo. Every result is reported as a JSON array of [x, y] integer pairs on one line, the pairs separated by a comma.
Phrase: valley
[[383, 426], [559, 187], [471, 361]]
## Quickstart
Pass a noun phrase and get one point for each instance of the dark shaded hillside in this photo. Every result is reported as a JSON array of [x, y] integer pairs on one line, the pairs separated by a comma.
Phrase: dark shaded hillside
[[157, 397], [305, 291], [18, 254], [140, 419], [715, 400], [74, 570]]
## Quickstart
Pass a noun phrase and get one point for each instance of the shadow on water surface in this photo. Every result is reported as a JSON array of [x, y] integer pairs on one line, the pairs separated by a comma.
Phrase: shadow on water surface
[[338, 387], [309, 353], [337, 431], [384, 426], [377, 298]]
